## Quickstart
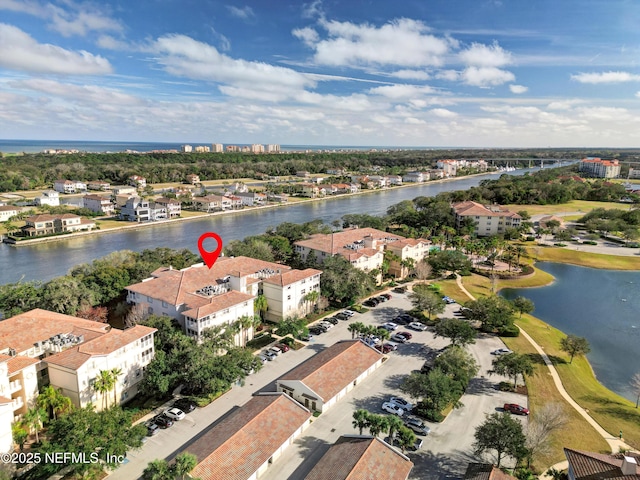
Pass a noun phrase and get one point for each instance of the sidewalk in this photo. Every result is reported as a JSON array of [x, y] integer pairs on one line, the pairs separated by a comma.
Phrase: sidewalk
[[614, 442]]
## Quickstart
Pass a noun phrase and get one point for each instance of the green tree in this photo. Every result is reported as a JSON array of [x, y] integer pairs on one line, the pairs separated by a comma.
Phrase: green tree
[[635, 387], [377, 424], [356, 328], [53, 401], [260, 306], [16, 298], [406, 438], [158, 470], [512, 365], [183, 464], [523, 305], [449, 261], [574, 345], [343, 284], [424, 299], [458, 364], [115, 373], [494, 313], [458, 331], [360, 419], [502, 433], [312, 298], [103, 385], [20, 434], [394, 424], [33, 418]]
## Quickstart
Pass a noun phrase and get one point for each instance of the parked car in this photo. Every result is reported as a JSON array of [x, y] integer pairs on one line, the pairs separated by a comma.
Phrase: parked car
[[417, 445], [386, 295], [417, 426], [184, 404], [392, 346], [342, 316], [326, 325], [305, 338], [264, 359], [349, 313], [390, 326], [381, 298], [448, 300], [383, 348], [269, 354], [175, 414], [501, 351], [322, 326], [402, 403], [162, 421], [421, 327], [333, 320], [406, 335], [400, 289], [464, 311], [372, 302], [396, 337], [283, 346], [392, 408], [275, 350], [316, 330], [152, 428], [516, 409], [403, 319]]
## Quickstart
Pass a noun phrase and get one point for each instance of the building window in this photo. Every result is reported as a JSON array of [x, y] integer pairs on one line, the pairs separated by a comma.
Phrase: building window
[[149, 299], [288, 297], [165, 304], [303, 291]]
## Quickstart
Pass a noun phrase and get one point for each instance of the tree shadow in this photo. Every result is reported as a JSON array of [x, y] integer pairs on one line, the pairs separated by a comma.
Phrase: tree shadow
[[480, 386], [431, 466], [312, 449], [372, 404], [412, 350], [393, 382]]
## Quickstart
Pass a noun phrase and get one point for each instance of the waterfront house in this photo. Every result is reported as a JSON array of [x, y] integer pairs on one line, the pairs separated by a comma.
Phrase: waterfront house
[[251, 199], [321, 381], [123, 190], [415, 177], [49, 197], [212, 203], [98, 204], [172, 207], [136, 209], [37, 225], [7, 212], [590, 465]]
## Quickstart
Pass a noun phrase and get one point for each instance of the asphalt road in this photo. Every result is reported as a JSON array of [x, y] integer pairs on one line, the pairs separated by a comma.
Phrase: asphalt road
[[445, 453]]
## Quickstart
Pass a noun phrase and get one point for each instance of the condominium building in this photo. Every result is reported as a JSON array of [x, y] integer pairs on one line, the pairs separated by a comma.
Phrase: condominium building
[[202, 149], [596, 167], [273, 148], [257, 148], [217, 148], [488, 219], [186, 148]]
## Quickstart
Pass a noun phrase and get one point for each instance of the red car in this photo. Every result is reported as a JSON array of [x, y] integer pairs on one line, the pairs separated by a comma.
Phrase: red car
[[515, 409], [283, 346], [406, 335]]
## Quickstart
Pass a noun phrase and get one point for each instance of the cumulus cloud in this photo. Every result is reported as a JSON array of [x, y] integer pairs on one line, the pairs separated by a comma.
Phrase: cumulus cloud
[[245, 13], [69, 18], [307, 34], [449, 75], [411, 75], [486, 76], [402, 42], [481, 55], [605, 77], [518, 89], [442, 113], [22, 52], [401, 91]]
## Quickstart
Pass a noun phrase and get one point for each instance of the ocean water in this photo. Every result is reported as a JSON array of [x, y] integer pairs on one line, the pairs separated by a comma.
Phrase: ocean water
[[36, 146]]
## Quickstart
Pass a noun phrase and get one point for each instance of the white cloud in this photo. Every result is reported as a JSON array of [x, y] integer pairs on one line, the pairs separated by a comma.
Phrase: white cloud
[[518, 89], [402, 42], [313, 9], [69, 18], [414, 121], [245, 13], [401, 91], [443, 113], [22, 52], [307, 34], [486, 76], [563, 104], [450, 75], [411, 75], [480, 55], [638, 94], [109, 42], [91, 95], [605, 77]]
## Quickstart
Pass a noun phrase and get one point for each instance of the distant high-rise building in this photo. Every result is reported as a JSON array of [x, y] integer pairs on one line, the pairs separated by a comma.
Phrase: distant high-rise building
[[217, 148], [273, 148], [202, 148], [186, 148], [257, 148], [233, 148], [597, 167]]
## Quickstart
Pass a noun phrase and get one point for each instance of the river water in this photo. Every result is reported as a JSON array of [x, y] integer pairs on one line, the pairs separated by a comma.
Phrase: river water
[[599, 305], [48, 260]]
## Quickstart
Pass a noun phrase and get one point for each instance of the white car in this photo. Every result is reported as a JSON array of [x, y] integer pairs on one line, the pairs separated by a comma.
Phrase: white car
[[275, 350], [327, 325], [399, 338], [402, 403], [501, 351], [175, 414], [390, 326], [392, 408], [421, 327], [349, 313]]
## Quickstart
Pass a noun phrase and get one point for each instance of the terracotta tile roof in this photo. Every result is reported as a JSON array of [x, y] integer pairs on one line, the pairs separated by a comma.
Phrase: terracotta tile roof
[[178, 287], [97, 198], [335, 367], [167, 201], [353, 255], [323, 242], [411, 242], [238, 445], [41, 218], [8, 208], [292, 276], [5, 400], [485, 471], [355, 457], [593, 466], [219, 302], [470, 208], [77, 356], [22, 331], [16, 364]]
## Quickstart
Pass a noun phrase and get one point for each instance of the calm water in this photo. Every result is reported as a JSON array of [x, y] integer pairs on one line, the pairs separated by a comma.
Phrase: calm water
[[599, 305]]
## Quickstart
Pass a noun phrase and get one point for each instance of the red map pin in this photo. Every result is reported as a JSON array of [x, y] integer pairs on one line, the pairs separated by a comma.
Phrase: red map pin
[[210, 257]]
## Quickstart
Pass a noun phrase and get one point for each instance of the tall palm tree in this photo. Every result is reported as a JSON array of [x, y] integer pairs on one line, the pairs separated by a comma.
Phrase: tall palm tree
[[355, 328], [53, 401], [406, 438], [33, 418], [377, 424], [246, 323], [393, 425], [260, 306], [103, 385], [184, 463], [115, 373], [312, 298], [360, 419]]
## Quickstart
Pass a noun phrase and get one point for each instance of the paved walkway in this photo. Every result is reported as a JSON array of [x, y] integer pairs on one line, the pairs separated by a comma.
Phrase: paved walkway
[[614, 442]]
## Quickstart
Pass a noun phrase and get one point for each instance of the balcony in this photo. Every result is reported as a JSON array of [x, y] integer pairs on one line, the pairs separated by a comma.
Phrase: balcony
[[17, 403], [15, 386]]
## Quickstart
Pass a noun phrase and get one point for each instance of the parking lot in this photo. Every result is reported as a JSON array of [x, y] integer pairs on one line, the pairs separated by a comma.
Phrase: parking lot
[[446, 450]]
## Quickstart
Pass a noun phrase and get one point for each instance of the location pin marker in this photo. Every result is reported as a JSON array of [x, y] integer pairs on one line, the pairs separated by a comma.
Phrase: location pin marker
[[210, 257]]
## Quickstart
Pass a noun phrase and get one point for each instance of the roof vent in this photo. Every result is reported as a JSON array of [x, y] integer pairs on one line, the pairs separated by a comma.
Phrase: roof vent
[[629, 465]]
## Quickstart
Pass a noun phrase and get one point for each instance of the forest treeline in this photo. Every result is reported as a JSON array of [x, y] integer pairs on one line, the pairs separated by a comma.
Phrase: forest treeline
[[31, 171]]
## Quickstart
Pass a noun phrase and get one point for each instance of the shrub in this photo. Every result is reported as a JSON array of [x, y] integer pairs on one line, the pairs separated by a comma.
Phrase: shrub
[[633, 245], [530, 238], [428, 414], [506, 387], [287, 341], [260, 341], [560, 244], [509, 331], [590, 242]]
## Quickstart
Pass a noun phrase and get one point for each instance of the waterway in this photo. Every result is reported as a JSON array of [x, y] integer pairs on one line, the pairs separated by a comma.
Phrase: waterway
[[48, 260], [599, 305]]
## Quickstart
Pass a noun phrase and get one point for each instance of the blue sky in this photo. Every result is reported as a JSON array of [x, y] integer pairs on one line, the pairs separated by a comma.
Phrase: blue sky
[[469, 73]]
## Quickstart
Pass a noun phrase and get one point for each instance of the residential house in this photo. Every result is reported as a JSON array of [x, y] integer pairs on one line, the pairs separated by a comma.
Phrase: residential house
[[172, 207], [246, 442], [64, 186], [485, 471], [29, 342], [448, 167], [7, 212], [435, 174], [321, 381], [251, 199], [99, 185], [303, 174], [123, 190], [236, 202], [192, 178], [277, 197], [589, 465], [596, 167], [338, 172], [98, 204], [137, 181], [415, 177], [361, 456], [45, 224], [212, 203], [488, 219], [136, 209], [378, 181], [182, 191], [49, 197], [200, 298], [158, 211], [311, 190], [393, 180]]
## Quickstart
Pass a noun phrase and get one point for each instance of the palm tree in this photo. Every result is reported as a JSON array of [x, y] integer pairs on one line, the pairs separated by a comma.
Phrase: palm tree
[[184, 463], [393, 424], [355, 328], [377, 424], [53, 401], [260, 306], [33, 419], [382, 333], [406, 438], [360, 419], [158, 470], [103, 384], [245, 322], [115, 373], [312, 297]]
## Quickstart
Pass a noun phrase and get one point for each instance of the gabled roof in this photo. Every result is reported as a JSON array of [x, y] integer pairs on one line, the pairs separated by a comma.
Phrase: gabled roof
[[15, 364], [218, 302], [485, 471], [335, 367], [361, 457], [237, 446], [292, 276], [470, 208], [334, 242], [594, 466]]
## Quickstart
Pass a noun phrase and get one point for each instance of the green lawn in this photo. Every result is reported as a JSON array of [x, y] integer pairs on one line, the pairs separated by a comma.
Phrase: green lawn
[[594, 260], [572, 206]]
